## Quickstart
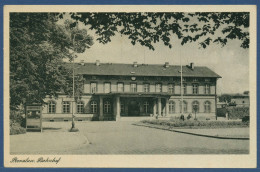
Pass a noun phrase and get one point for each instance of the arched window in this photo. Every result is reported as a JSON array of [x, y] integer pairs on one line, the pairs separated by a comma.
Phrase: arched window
[[185, 107], [207, 106], [93, 105], [52, 107], [146, 107], [66, 107], [80, 107], [195, 106], [107, 107], [171, 107]]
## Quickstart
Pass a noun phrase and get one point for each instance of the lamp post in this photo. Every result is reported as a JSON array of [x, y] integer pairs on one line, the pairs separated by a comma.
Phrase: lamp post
[[73, 94], [73, 128]]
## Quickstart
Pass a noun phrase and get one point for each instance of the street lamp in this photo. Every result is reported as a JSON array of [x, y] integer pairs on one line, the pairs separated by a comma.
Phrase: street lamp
[[73, 128]]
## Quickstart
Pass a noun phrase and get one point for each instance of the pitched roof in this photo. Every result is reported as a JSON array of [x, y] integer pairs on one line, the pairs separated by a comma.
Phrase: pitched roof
[[142, 70]]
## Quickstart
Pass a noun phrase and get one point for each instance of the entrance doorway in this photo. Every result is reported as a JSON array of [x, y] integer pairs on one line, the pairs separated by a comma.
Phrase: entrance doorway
[[133, 108]]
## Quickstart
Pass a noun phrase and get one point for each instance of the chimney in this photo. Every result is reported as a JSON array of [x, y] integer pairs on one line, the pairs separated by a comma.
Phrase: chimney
[[135, 64], [192, 66], [82, 62], [97, 63], [166, 65]]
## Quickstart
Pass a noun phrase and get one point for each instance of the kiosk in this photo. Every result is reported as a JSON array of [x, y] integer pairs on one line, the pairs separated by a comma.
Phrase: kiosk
[[34, 117]]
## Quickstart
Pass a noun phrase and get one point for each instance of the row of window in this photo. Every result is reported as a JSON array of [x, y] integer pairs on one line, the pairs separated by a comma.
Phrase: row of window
[[184, 79], [107, 107], [80, 107], [195, 107], [146, 88]]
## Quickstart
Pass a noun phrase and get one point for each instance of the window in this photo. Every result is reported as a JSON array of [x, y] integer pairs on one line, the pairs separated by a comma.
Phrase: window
[[158, 88], [133, 87], [171, 107], [122, 108], [195, 106], [185, 107], [146, 107], [120, 87], [195, 89], [107, 87], [184, 79], [207, 89], [207, 79], [146, 88], [66, 107], [107, 107], [93, 105], [171, 88], [80, 107], [195, 79], [52, 107], [207, 106], [184, 88], [93, 87]]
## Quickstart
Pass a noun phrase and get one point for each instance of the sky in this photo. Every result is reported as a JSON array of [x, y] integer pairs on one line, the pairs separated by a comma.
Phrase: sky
[[231, 62]]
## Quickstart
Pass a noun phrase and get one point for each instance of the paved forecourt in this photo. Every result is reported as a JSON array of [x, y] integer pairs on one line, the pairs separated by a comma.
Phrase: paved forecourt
[[125, 138]]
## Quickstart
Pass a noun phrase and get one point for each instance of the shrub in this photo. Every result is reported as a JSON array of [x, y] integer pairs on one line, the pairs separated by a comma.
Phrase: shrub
[[17, 123], [15, 128], [221, 112], [237, 112], [17, 117]]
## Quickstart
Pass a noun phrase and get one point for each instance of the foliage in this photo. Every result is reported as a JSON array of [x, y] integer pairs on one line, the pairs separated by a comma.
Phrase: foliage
[[197, 123], [147, 28], [16, 116], [237, 112], [15, 128], [38, 46], [221, 112], [225, 98]]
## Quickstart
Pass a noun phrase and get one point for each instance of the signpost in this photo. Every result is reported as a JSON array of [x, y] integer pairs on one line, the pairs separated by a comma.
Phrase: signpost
[[34, 117]]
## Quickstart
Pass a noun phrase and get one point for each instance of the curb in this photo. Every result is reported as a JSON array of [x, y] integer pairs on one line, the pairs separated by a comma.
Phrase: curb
[[195, 134]]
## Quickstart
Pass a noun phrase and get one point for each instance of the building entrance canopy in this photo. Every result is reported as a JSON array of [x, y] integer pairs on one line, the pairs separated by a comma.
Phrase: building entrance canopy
[[136, 103]]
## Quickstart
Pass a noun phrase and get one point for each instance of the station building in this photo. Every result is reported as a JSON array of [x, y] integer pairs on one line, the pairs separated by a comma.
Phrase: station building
[[119, 91]]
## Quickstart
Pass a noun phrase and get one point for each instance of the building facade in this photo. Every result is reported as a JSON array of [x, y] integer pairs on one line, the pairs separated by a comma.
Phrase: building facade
[[117, 91], [240, 100]]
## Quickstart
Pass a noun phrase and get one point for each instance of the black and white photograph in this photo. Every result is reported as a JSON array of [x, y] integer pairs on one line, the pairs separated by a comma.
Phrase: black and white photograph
[[126, 86]]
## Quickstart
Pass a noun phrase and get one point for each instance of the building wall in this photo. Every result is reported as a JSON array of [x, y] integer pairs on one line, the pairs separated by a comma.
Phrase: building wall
[[190, 99], [88, 97], [165, 82], [59, 112], [241, 101]]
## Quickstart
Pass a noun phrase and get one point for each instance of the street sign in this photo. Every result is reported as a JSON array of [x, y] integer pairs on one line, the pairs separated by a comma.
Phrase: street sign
[[34, 117]]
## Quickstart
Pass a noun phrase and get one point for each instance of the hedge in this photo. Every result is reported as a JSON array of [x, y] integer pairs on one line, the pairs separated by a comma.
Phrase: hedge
[[237, 112], [198, 124]]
